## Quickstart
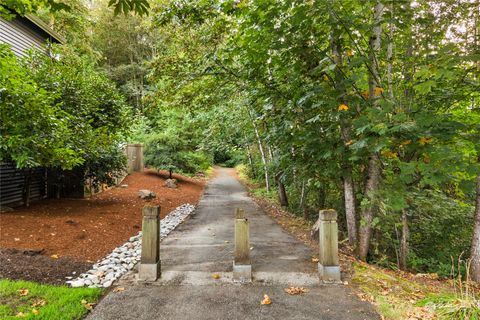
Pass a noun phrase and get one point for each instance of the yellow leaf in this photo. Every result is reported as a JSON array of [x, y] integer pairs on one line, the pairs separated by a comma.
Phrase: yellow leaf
[[215, 276], [343, 107], [54, 256], [295, 290], [348, 142], [423, 141], [315, 260], [23, 292], [325, 77], [365, 94], [406, 142], [349, 52], [39, 303], [389, 154], [35, 311], [377, 91], [88, 306], [119, 289], [266, 300], [20, 315]]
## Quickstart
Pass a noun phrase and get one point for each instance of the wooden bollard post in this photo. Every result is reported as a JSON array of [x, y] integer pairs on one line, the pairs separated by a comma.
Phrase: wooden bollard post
[[149, 269], [242, 268], [328, 266]]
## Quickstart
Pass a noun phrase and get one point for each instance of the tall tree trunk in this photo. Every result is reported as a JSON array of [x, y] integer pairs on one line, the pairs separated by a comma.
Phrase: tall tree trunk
[[262, 151], [250, 160], [374, 165], [345, 128], [371, 186], [350, 209], [402, 260], [302, 205], [475, 249], [282, 193], [170, 173]]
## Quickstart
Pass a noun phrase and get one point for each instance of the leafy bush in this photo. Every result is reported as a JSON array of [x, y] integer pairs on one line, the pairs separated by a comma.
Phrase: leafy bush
[[61, 113], [170, 152]]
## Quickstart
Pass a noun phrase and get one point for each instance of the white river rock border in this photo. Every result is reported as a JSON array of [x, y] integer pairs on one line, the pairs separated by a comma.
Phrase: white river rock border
[[122, 259]]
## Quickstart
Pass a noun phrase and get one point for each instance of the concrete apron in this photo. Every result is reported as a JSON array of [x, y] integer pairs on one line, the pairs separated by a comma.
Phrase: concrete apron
[[204, 244]]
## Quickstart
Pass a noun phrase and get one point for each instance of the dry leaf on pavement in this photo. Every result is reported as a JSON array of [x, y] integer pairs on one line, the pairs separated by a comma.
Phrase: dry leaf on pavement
[[20, 315], [295, 290], [119, 289], [215, 276], [266, 300], [54, 256], [315, 260]]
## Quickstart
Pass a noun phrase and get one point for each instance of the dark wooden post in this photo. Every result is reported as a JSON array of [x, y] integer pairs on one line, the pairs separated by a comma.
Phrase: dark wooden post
[[328, 265], [149, 269], [242, 268]]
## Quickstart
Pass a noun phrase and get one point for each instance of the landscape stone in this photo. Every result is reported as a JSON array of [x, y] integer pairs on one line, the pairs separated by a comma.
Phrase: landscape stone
[[171, 183], [146, 194]]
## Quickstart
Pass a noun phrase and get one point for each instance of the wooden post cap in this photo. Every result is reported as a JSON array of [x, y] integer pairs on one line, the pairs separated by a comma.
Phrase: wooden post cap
[[239, 214], [151, 211], [327, 215]]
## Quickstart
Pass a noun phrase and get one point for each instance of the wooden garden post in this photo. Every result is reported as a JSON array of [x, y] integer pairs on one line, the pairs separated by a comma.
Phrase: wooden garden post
[[242, 268], [328, 266], [149, 269]]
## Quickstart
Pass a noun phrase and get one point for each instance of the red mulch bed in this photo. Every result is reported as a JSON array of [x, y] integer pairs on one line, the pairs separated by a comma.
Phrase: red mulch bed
[[86, 230]]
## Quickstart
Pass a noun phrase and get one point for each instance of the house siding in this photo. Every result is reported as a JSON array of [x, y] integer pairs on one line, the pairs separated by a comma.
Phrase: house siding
[[20, 35]]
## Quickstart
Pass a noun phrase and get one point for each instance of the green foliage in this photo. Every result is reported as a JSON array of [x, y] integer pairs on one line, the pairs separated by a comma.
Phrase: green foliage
[[265, 74], [9, 8], [35, 129], [169, 152], [60, 302], [61, 113]]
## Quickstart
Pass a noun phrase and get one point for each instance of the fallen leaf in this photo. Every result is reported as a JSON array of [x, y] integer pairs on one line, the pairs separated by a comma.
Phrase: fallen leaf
[[215, 276], [295, 290], [226, 241], [315, 260], [343, 107], [119, 289], [17, 239], [35, 311], [20, 315], [266, 300], [88, 306], [54, 256], [39, 303], [23, 292]]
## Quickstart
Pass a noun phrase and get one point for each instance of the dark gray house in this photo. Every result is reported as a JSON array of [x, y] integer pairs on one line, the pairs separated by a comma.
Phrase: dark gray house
[[22, 34]]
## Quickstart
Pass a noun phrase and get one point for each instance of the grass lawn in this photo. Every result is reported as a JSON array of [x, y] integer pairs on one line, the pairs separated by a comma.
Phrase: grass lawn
[[29, 300]]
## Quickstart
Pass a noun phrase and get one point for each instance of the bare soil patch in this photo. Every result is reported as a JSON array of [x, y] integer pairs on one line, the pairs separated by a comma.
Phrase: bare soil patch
[[33, 266], [88, 229]]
